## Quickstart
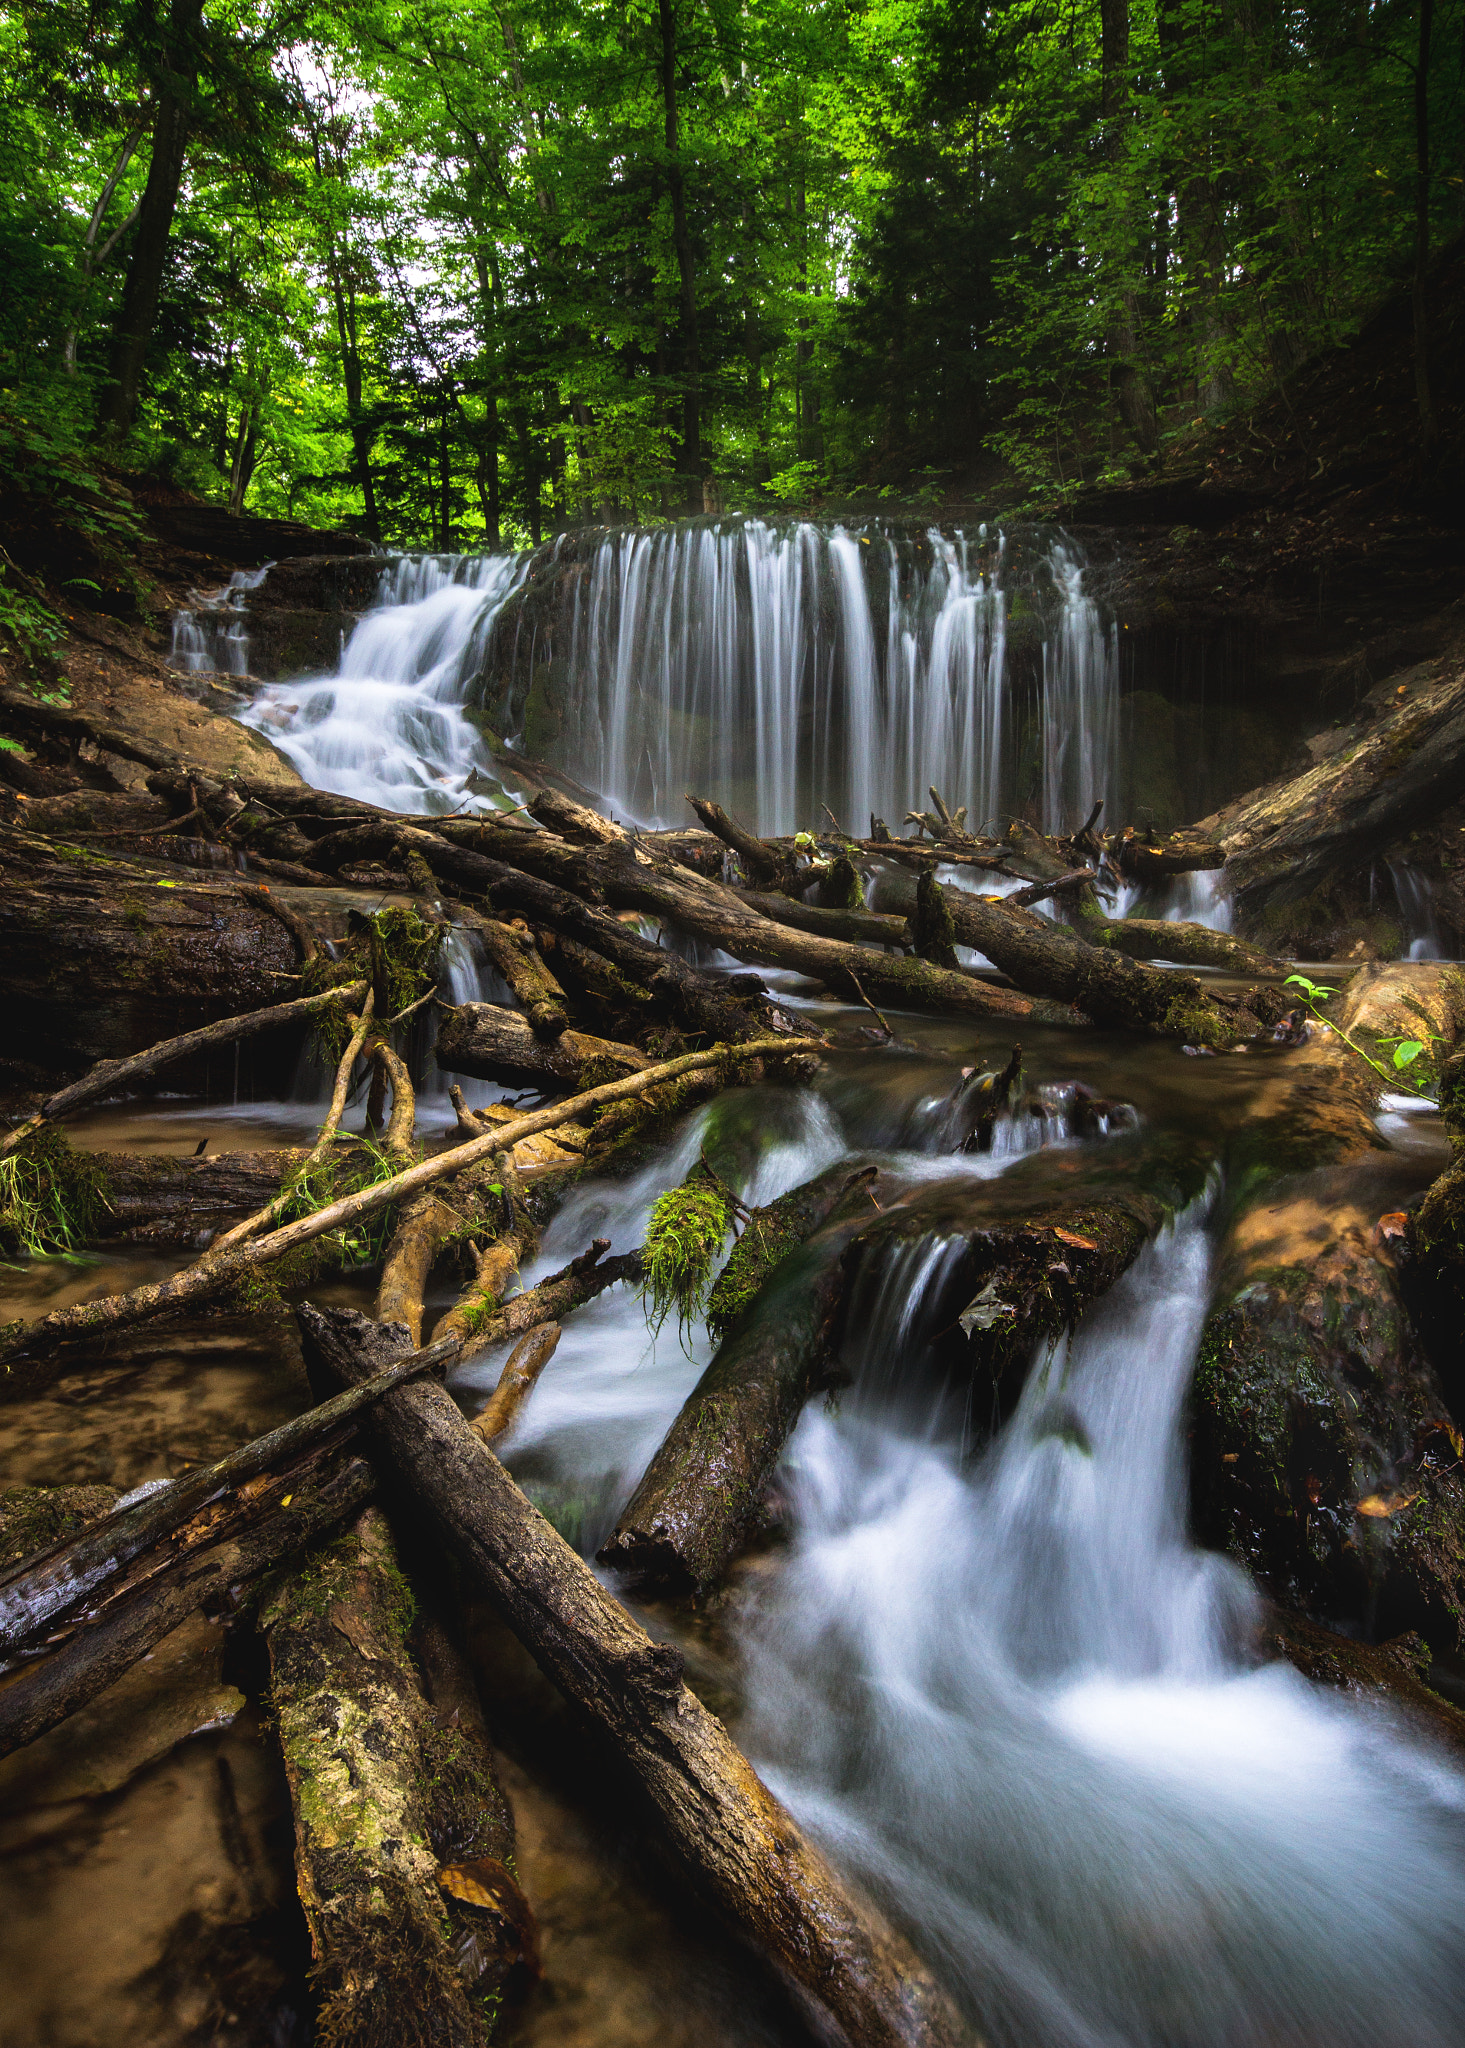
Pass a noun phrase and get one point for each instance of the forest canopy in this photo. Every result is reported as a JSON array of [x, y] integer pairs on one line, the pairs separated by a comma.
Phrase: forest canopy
[[453, 273]]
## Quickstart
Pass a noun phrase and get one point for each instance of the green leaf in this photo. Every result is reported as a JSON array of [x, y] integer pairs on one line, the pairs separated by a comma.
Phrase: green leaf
[[1407, 1053]]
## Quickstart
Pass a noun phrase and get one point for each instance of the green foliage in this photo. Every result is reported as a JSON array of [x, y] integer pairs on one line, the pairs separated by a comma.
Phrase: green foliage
[[1406, 1051], [51, 1199], [688, 1228]]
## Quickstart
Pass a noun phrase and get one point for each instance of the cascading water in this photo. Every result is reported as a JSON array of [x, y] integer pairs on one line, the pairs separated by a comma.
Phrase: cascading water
[[1017, 1702], [1416, 911], [777, 668], [213, 633], [774, 663], [390, 726]]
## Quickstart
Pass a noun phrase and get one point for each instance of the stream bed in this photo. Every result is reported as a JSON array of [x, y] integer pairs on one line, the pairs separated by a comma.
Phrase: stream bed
[[993, 1677]]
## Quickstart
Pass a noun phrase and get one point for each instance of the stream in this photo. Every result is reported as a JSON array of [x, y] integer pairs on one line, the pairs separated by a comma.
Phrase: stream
[[991, 1673]]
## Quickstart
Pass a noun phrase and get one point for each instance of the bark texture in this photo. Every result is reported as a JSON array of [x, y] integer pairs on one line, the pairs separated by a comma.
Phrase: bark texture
[[862, 1981]]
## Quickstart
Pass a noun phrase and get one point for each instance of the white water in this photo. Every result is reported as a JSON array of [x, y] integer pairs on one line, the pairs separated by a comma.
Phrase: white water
[[776, 668], [1416, 911], [213, 634], [785, 665], [389, 727], [1013, 1698]]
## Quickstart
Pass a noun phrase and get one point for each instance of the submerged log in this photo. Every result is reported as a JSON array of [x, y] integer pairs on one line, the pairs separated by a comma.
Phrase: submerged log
[[861, 1979], [356, 1734], [703, 1491], [496, 1044], [1324, 1454]]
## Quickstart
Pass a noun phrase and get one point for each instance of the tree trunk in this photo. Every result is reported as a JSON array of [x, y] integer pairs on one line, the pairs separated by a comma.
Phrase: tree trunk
[[862, 1981], [137, 316], [1131, 382], [691, 455]]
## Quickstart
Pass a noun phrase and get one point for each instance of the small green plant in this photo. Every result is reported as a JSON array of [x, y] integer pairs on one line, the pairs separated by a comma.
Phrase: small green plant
[[51, 1199], [1405, 1050], [687, 1230]]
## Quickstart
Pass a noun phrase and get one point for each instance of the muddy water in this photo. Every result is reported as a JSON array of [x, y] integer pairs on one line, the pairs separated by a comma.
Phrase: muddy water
[[145, 1887]]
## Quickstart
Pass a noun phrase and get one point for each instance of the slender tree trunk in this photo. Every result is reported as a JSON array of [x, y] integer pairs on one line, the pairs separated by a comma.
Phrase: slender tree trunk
[[1427, 425], [691, 457], [344, 295], [139, 311], [1132, 386], [1202, 243]]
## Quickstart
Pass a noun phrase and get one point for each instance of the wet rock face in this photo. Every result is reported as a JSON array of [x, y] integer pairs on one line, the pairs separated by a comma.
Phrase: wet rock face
[[1324, 1456]]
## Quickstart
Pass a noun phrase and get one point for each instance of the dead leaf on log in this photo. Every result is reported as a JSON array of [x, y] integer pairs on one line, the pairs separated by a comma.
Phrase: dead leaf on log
[[1082, 1244], [985, 1310], [1379, 1506]]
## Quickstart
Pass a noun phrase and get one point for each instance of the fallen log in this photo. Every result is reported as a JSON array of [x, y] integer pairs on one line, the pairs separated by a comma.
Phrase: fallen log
[[709, 911], [516, 1382], [702, 1493], [36, 1594], [157, 1198], [425, 1226], [1285, 840], [297, 926], [766, 865], [355, 1731], [495, 1044], [1323, 1451], [105, 957], [862, 1980], [197, 1570], [857, 927], [1057, 962], [1152, 861], [552, 1299], [1196, 945], [513, 953], [495, 1267], [219, 1269]]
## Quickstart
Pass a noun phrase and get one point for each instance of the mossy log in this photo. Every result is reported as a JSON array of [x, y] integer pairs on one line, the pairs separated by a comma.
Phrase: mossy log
[[707, 910], [1323, 1449], [1195, 945], [513, 953], [1055, 961], [104, 959], [495, 1044], [197, 1565], [702, 1493], [156, 1198], [361, 1748], [1396, 1671], [1149, 860], [552, 1298], [862, 1981], [425, 1226], [855, 927], [1289, 838]]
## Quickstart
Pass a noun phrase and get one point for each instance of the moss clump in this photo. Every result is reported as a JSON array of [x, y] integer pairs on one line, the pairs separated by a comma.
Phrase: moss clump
[[52, 1199], [932, 928], [688, 1228], [770, 1236]]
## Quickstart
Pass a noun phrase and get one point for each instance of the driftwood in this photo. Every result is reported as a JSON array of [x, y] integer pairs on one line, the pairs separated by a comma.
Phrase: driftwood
[[516, 1382], [486, 1040], [862, 1980], [197, 1564], [95, 1319], [1323, 1449], [362, 1752], [110, 1076], [703, 1491]]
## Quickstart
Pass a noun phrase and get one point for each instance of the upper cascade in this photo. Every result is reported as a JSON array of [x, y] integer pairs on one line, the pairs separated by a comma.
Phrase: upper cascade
[[777, 668]]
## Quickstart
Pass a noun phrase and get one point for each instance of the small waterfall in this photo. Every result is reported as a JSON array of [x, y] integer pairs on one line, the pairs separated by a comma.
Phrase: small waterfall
[[213, 635], [1017, 1702], [390, 727], [1200, 898], [1416, 911]]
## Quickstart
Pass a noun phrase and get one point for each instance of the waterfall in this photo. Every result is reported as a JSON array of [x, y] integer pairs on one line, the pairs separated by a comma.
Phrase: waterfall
[[787, 667], [212, 633], [390, 726], [777, 668], [1416, 911], [1016, 1701]]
